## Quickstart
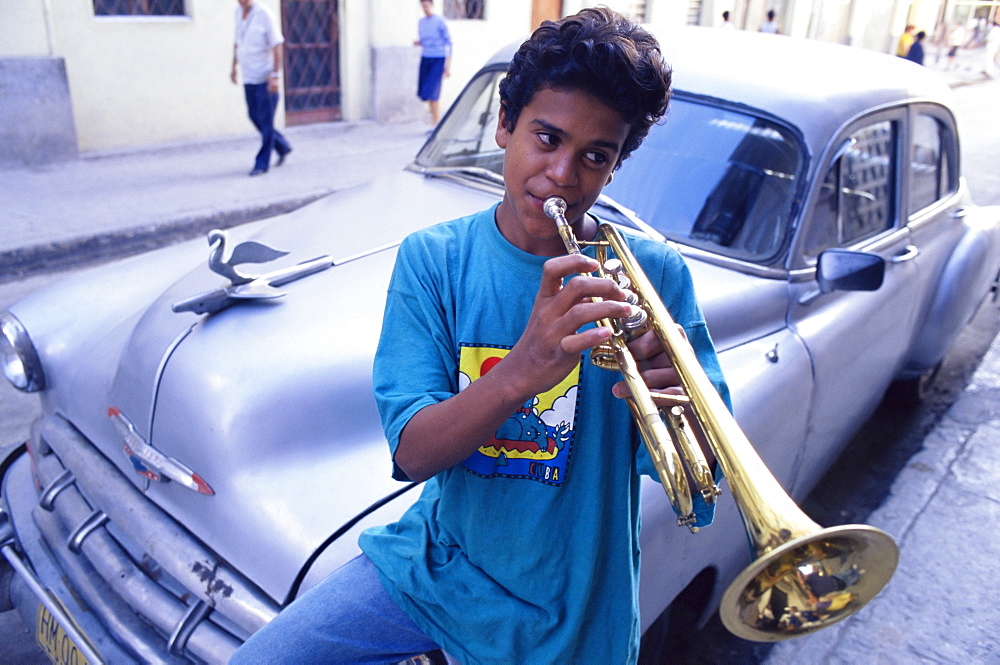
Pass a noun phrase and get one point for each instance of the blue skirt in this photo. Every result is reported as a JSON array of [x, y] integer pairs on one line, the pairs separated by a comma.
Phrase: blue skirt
[[429, 84]]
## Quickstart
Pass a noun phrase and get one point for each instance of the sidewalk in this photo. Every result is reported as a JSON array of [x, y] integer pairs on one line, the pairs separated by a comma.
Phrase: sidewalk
[[116, 203], [942, 510]]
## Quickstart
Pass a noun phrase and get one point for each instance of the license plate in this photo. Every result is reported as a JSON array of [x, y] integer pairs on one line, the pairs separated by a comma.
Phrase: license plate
[[56, 644]]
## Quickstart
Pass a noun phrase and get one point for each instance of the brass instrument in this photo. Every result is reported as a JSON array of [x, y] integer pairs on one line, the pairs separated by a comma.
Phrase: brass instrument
[[803, 577]]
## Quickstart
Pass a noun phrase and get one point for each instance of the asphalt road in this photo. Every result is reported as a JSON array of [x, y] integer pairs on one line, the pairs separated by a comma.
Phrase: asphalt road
[[881, 448]]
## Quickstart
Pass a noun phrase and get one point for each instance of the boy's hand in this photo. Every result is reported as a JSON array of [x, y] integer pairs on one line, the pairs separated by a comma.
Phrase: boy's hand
[[442, 435], [654, 365], [551, 345]]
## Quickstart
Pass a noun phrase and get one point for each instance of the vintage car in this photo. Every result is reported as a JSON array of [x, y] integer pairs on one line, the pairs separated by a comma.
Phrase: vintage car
[[208, 450]]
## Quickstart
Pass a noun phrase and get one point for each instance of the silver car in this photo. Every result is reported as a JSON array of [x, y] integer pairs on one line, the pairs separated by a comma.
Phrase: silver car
[[209, 446]]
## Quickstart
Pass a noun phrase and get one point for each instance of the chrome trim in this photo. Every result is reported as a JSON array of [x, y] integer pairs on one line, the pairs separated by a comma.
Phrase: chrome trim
[[19, 340], [55, 488], [97, 519], [56, 610], [166, 541], [119, 617], [908, 254], [84, 530], [733, 264], [185, 627]]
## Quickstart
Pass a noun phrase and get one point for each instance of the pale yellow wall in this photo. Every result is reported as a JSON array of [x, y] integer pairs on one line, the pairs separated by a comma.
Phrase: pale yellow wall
[[356, 19], [23, 28], [136, 80], [174, 84], [476, 41]]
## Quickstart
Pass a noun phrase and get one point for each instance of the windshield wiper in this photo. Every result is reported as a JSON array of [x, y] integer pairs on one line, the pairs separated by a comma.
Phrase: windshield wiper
[[474, 171], [606, 201]]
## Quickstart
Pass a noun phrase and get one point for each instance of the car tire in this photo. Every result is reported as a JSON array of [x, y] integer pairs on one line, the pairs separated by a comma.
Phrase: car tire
[[915, 391]]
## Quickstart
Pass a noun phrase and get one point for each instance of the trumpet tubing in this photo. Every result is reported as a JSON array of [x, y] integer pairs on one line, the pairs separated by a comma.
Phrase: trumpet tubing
[[803, 577]]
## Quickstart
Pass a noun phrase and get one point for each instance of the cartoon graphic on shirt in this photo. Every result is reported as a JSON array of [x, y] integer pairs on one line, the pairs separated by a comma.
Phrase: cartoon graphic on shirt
[[536, 441]]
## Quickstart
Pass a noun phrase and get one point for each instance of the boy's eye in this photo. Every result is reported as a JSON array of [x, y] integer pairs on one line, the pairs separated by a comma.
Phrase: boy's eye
[[597, 157], [548, 138]]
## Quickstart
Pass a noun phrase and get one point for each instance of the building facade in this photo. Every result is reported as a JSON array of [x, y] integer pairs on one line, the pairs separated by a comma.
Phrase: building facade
[[80, 76]]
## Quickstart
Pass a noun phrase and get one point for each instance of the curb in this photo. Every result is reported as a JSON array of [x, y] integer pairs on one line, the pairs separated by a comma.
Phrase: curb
[[21, 262]]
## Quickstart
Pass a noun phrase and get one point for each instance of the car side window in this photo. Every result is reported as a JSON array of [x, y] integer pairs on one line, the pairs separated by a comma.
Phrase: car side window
[[857, 196], [929, 162]]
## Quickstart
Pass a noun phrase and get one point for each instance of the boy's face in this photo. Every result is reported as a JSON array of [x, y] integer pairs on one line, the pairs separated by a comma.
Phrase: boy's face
[[566, 143]]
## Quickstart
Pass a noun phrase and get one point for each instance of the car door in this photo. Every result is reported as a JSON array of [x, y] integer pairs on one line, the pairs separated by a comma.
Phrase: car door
[[936, 213], [855, 339]]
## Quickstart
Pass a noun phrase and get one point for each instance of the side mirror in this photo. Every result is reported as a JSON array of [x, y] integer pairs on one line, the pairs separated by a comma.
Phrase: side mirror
[[844, 270]]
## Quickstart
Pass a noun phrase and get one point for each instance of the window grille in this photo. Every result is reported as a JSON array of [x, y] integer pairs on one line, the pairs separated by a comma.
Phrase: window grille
[[464, 9], [139, 8], [634, 9], [637, 10], [694, 12]]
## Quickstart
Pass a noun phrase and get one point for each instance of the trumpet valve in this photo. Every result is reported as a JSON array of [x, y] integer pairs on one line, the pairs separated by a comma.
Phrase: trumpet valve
[[637, 322], [603, 356]]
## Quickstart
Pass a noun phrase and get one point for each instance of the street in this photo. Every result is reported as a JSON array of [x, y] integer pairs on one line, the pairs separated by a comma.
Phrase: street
[[883, 447]]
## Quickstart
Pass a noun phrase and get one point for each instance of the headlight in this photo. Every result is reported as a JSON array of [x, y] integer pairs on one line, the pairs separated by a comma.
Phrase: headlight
[[18, 358]]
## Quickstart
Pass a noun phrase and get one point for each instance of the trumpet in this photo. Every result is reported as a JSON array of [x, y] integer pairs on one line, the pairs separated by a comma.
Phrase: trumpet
[[803, 577]]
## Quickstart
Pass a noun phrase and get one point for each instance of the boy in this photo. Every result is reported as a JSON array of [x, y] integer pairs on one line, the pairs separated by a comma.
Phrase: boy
[[523, 547]]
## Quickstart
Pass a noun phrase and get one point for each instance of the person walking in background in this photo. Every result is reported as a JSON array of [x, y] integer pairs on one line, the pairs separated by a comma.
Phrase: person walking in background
[[990, 49], [905, 41], [435, 57], [770, 26], [956, 38], [257, 52], [916, 50], [726, 23]]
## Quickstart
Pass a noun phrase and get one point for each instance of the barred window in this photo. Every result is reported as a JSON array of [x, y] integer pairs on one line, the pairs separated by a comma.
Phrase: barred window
[[139, 8], [464, 9]]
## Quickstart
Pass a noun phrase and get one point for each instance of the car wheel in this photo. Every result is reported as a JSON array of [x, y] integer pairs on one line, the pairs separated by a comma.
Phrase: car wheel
[[912, 392]]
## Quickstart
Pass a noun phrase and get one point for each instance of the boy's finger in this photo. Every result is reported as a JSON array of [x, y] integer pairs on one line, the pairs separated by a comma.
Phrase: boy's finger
[[556, 270]]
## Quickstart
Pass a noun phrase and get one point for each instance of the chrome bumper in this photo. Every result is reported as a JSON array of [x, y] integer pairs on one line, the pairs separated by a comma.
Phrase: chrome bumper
[[77, 522]]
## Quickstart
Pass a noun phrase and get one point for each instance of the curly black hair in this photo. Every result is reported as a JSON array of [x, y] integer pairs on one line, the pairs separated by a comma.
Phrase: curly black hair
[[602, 53]]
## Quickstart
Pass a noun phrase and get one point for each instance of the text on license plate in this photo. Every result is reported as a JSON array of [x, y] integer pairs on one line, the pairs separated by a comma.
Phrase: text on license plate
[[54, 641]]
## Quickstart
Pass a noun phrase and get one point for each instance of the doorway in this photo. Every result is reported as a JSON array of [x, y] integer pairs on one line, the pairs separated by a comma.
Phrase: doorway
[[312, 65]]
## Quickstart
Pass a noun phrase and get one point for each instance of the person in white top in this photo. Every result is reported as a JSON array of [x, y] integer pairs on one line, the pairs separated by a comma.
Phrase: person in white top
[[257, 51], [770, 26], [726, 23]]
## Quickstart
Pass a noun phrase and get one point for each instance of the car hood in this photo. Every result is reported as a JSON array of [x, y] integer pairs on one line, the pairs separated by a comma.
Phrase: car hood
[[270, 401]]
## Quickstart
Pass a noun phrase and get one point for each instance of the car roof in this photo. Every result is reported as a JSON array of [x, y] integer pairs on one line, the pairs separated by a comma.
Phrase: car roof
[[832, 83]]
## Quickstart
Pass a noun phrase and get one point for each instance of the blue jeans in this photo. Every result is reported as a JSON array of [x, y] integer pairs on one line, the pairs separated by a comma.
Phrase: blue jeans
[[261, 105], [346, 619]]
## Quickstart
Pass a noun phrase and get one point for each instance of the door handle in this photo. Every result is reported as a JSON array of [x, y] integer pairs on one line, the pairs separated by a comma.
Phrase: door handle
[[907, 254]]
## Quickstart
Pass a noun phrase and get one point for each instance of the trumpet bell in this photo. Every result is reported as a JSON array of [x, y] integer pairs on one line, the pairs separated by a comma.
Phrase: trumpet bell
[[809, 583]]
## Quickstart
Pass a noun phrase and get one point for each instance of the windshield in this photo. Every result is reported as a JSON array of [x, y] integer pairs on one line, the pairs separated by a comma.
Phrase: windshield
[[467, 136], [709, 177]]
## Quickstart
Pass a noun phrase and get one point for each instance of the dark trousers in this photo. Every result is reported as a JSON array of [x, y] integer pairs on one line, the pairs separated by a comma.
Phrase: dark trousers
[[260, 106]]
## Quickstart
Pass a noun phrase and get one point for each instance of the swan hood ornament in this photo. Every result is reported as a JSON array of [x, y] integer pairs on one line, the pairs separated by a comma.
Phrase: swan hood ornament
[[245, 252], [243, 285]]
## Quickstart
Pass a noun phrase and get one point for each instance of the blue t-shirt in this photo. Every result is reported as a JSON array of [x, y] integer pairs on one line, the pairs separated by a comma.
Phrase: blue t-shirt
[[528, 552]]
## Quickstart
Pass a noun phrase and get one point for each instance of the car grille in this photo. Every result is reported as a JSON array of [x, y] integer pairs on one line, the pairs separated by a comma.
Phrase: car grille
[[171, 597]]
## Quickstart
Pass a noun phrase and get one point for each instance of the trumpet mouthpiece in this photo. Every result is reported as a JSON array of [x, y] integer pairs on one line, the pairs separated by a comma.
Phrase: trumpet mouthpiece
[[554, 207]]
